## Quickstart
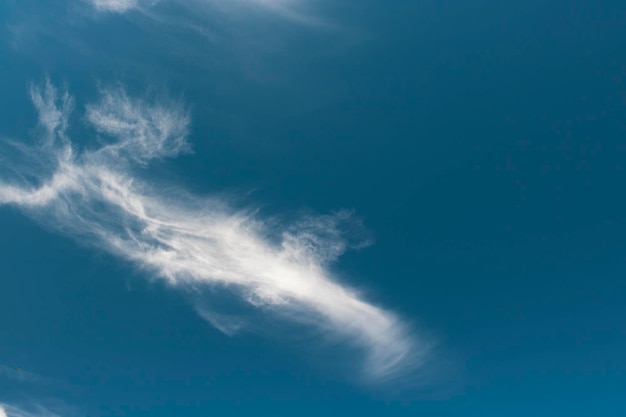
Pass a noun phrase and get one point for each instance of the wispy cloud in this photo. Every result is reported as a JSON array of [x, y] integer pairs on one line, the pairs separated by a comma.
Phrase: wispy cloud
[[97, 197], [118, 6], [293, 10], [21, 375], [7, 410]]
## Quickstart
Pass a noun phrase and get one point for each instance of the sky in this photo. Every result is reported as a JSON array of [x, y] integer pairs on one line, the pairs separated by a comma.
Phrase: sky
[[298, 207]]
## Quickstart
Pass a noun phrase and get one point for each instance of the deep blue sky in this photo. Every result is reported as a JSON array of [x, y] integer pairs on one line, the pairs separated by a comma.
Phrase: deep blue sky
[[483, 145]]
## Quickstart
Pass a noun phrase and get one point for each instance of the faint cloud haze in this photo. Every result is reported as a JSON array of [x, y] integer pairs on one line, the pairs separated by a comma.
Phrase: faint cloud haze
[[22, 375], [7, 410], [96, 196], [119, 6], [288, 9]]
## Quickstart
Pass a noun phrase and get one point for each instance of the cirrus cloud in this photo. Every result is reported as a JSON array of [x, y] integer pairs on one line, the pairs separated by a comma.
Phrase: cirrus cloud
[[287, 9], [8, 410], [117, 6], [95, 196]]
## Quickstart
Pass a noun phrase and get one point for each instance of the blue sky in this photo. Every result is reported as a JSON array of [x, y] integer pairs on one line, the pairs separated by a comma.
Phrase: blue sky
[[271, 208]]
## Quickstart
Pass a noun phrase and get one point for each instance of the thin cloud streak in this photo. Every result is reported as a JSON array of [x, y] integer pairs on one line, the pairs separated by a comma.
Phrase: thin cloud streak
[[7, 410], [191, 241], [287, 9], [21, 375], [118, 6]]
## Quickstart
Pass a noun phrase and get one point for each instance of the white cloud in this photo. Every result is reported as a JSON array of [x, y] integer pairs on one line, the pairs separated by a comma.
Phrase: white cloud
[[229, 325], [193, 241], [287, 9], [141, 132], [119, 6], [7, 410]]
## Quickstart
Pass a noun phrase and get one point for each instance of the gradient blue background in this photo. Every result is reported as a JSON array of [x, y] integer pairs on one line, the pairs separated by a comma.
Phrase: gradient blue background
[[483, 143]]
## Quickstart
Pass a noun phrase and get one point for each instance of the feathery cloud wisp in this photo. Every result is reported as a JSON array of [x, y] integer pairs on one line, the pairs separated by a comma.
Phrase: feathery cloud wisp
[[190, 241], [118, 6], [7, 410], [287, 9]]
